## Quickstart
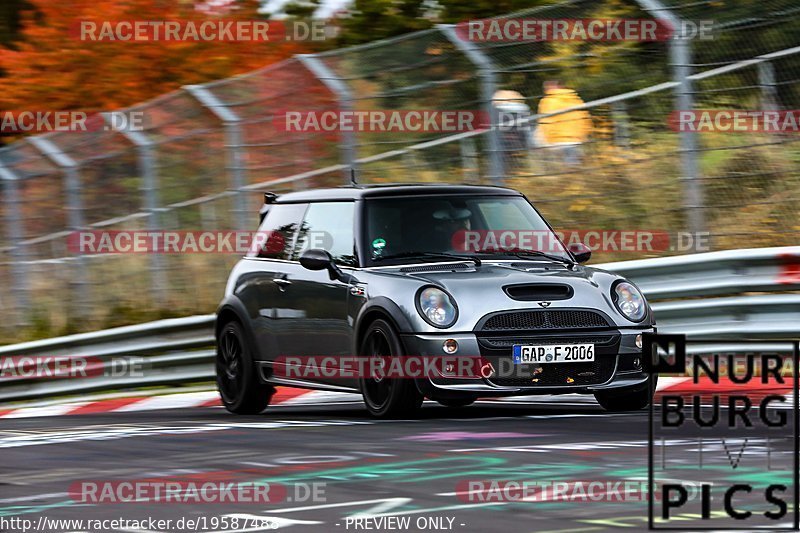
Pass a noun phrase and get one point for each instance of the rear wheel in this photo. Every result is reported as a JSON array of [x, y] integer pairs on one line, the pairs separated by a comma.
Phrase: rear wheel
[[387, 397], [631, 400], [237, 381]]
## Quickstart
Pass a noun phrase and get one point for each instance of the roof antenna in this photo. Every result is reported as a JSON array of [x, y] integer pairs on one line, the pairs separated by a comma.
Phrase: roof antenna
[[353, 181]]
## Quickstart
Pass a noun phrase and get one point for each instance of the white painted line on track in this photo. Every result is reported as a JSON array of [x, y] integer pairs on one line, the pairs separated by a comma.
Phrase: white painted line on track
[[50, 410], [171, 401]]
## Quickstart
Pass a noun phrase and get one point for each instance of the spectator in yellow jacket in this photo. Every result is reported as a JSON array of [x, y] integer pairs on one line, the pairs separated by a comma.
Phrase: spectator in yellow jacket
[[565, 132]]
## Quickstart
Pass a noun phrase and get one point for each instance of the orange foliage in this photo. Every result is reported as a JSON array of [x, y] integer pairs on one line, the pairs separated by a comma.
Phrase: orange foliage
[[53, 70]]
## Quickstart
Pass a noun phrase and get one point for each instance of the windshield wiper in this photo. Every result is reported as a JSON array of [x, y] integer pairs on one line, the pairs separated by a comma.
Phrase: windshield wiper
[[431, 255], [517, 252]]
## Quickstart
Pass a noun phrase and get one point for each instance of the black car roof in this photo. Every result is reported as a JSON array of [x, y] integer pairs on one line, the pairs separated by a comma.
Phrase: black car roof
[[377, 191]]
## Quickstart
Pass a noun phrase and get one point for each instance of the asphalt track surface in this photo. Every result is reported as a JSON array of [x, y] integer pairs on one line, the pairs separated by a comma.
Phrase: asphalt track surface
[[367, 469]]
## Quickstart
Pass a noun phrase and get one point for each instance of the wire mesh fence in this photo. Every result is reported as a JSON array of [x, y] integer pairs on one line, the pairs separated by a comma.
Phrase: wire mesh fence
[[206, 152]]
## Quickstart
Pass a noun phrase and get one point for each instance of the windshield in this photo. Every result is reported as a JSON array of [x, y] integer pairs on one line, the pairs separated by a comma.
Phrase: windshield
[[439, 228]]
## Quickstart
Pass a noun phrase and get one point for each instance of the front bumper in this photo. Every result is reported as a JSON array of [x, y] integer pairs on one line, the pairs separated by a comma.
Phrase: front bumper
[[617, 364]]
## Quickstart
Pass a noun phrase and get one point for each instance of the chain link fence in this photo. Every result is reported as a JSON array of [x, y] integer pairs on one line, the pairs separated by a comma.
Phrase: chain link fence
[[206, 152]]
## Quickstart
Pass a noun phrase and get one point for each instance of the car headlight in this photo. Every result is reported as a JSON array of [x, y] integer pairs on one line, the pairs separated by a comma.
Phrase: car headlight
[[629, 301], [436, 307]]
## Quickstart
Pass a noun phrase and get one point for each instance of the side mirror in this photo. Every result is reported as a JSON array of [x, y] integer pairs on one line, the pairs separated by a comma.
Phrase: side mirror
[[316, 259], [581, 252], [319, 259]]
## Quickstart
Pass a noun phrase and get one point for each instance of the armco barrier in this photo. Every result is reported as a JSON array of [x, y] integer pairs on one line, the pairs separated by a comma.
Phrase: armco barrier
[[176, 351], [716, 273], [181, 350]]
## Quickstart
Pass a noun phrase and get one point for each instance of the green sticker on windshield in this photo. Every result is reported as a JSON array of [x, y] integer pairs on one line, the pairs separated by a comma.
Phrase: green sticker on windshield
[[378, 245]]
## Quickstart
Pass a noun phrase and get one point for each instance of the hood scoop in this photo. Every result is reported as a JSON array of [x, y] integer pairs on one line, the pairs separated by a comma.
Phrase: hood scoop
[[537, 292]]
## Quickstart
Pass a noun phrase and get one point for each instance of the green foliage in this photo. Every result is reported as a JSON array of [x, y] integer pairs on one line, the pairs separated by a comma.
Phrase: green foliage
[[378, 19], [371, 20]]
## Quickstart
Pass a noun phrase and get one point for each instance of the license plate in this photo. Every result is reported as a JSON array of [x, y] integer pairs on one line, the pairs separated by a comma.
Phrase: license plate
[[553, 353]]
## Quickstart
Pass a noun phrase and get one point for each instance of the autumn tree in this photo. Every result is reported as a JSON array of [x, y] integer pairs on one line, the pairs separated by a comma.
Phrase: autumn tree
[[48, 67]]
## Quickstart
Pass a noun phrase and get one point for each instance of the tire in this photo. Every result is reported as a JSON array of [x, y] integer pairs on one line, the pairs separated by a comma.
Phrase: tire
[[460, 402], [237, 380], [386, 397], [627, 400]]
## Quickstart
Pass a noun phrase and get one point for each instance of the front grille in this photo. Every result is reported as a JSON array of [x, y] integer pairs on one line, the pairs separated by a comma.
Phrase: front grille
[[560, 374], [544, 320]]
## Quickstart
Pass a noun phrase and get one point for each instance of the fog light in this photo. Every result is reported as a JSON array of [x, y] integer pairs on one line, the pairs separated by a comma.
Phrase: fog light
[[639, 340], [449, 368], [637, 364], [450, 346], [487, 370]]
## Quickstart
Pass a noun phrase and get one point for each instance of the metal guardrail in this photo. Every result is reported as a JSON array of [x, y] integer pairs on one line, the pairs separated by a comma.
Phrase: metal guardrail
[[174, 351], [179, 351], [715, 273]]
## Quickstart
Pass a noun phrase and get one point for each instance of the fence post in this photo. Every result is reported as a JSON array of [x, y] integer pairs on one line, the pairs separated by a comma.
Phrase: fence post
[[766, 79], [324, 74], [233, 148], [469, 161], [619, 114], [680, 53], [17, 254], [486, 71], [147, 168], [72, 187]]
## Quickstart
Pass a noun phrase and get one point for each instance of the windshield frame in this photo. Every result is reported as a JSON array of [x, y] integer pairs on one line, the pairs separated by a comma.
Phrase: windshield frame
[[367, 261]]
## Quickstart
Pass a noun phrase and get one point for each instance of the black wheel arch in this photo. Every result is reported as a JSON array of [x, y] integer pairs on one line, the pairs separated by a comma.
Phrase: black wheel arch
[[386, 309], [383, 308], [230, 309]]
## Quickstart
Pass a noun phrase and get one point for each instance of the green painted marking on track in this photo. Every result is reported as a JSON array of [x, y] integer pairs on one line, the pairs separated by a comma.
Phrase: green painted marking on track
[[412, 471], [27, 509]]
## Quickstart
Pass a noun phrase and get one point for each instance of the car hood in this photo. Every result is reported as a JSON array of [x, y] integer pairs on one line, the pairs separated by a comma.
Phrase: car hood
[[479, 290]]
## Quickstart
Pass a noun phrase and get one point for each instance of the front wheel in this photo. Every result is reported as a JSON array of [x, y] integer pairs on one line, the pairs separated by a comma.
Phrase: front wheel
[[241, 391], [622, 400], [387, 397]]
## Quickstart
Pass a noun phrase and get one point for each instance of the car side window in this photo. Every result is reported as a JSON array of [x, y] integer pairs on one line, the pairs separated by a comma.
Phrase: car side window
[[276, 236], [329, 225]]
